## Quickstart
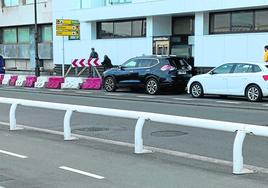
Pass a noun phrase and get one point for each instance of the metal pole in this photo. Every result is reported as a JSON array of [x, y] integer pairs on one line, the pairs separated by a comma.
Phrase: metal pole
[[37, 65], [63, 57], [238, 160], [12, 117]]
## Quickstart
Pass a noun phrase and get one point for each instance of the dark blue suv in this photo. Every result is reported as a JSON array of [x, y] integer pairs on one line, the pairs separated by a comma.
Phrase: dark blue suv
[[153, 73]]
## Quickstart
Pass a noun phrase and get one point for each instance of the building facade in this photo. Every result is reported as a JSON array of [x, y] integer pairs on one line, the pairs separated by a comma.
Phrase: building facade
[[211, 31], [17, 34]]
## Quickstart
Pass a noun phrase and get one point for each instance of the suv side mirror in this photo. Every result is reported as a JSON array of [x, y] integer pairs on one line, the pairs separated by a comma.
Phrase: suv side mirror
[[211, 73]]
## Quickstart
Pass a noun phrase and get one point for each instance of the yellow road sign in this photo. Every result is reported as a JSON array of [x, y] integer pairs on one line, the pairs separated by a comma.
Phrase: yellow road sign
[[67, 28], [63, 22], [67, 33], [66, 22]]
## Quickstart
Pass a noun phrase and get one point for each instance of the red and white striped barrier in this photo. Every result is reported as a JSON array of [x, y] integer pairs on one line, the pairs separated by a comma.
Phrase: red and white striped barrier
[[85, 63]]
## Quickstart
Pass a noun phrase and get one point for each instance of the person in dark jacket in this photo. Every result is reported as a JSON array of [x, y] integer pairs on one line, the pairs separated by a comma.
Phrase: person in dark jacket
[[93, 53], [2, 65], [107, 63]]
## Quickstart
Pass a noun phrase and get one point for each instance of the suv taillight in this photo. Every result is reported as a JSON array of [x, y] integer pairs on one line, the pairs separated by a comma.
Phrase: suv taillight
[[167, 68], [265, 77]]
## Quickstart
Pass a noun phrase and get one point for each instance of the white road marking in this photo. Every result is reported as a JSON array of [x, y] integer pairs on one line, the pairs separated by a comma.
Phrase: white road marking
[[54, 90], [13, 154], [182, 99], [265, 104], [160, 150], [144, 96], [228, 102], [83, 92], [113, 94], [82, 172]]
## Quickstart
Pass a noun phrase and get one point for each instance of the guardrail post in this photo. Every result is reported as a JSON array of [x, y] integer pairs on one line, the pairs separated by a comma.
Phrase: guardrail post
[[238, 160], [138, 137], [67, 127], [12, 117]]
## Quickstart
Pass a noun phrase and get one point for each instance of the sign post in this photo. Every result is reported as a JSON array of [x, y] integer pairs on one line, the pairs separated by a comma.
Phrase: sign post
[[66, 27]]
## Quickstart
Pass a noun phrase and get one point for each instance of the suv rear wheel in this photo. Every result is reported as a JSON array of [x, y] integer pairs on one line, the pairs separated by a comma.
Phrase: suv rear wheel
[[196, 90], [152, 86], [109, 84]]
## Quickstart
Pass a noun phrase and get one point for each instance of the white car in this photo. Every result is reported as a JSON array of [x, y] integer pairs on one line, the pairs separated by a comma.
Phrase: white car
[[239, 79]]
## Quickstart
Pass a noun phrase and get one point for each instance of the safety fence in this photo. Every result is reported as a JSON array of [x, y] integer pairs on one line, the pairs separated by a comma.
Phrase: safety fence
[[241, 129], [50, 82]]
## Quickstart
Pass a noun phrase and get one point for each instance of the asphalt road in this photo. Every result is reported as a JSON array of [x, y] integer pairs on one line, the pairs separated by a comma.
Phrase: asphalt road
[[212, 144]]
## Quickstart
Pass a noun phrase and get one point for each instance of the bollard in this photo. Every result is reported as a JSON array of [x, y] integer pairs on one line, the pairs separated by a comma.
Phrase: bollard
[[138, 137], [12, 117], [67, 127], [238, 160]]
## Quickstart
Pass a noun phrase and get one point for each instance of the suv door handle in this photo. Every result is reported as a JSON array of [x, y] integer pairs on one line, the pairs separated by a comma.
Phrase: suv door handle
[[131, 71]]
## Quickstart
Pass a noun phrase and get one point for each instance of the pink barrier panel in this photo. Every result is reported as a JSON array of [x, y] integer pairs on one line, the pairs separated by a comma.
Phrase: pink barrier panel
[[30, 80], [55, 82], [92, 83], [1, 78], [13, 79]]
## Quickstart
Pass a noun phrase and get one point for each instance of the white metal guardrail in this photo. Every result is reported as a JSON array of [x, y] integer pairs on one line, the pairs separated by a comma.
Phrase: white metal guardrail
[[141, 117]]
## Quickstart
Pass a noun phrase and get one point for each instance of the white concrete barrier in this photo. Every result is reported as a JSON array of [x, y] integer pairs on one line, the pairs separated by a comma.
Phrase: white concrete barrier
[[240, 128], [20, 81], [72, 83], [6, 79], [41, 82]]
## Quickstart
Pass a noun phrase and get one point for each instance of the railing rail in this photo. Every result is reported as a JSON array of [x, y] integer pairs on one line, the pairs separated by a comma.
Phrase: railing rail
[[141, 117]]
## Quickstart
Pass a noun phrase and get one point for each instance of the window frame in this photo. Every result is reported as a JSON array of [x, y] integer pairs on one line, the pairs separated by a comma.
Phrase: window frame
[[211, 22], [99, 26]]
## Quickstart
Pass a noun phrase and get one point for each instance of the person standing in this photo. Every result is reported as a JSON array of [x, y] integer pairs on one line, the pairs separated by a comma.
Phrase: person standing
[[2, 65], [93, 53], [265, 58], [107, 63]]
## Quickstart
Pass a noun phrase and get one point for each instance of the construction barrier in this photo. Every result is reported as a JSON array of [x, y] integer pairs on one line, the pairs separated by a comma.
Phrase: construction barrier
[[72, 83], [30, 81], [1, 78], [6, 79], [21, 80], [55, 82], [12, 81], [41, 82], [92, 83]]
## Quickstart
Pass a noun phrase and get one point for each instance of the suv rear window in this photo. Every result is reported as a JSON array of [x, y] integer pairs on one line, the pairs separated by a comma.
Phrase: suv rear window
[[178, 63]]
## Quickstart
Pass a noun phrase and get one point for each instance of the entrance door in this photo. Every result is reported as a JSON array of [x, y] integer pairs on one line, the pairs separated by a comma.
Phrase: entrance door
[[162, 47]]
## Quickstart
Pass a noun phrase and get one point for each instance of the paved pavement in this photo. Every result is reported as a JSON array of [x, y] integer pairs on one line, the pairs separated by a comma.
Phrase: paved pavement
[[43, 160], [169, 138], [166, 97]]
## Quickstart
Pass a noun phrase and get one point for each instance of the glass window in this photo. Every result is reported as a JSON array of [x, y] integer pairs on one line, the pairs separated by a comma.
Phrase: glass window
[[220, 23], [8, 3], [122, 29], [183, 26], [46, 33], [147, 63], [130, 63], [29, 2], [255, 68], [242, 21], [261, 21], [223, 69], [137, 28], [10, 35], [242, 68], [24, 35], [106, 30]]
